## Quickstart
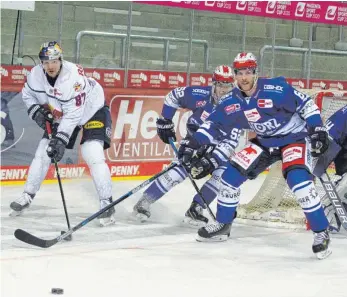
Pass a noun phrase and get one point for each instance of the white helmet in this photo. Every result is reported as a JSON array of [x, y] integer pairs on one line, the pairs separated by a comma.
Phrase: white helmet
[[222, 76], [245, 60]]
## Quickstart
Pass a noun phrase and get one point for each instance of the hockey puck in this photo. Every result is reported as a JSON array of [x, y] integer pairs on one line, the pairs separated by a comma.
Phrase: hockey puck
[[67, 238], [57, 291]]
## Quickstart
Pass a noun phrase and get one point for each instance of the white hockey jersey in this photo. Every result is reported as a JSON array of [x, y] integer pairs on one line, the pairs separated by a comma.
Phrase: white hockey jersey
[[73, 100]]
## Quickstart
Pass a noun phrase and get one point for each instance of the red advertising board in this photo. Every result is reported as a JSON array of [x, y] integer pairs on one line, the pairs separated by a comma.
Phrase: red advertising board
[[134, 134], [10, 174], [156, 79], [327, 12], [14, 76]]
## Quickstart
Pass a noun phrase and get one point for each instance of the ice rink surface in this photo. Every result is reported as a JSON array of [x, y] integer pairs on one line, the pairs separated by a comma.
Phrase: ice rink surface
[[160, 257]]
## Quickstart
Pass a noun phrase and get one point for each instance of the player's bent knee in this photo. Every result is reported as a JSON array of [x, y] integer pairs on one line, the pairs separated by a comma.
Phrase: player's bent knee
[[296, 175], [93, 152]]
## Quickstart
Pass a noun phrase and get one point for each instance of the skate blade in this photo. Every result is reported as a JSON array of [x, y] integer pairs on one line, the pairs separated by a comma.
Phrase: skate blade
[[324, 254], [217, 238], [15, 213], [193, 223]]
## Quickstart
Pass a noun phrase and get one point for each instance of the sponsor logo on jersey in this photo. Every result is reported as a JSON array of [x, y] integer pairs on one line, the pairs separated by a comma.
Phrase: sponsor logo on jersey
[[252, 115], [292, 154], [265, 103], [200, 104], [266, 127], [232, 108], [204, 116], [250, 150], [247, 156], [200, 91], [77, 87], [273, 88], [93, 125]]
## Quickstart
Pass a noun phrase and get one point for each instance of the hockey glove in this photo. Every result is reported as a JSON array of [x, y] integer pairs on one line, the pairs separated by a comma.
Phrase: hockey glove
[[56, 146], [319, 138], [186, 151], [204, 163], [166, 130], [40, 115]]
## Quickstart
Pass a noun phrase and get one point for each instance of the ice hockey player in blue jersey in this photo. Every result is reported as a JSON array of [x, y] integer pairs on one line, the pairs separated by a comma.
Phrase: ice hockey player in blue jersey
[[201, 101], [336, 153], [282, 118]]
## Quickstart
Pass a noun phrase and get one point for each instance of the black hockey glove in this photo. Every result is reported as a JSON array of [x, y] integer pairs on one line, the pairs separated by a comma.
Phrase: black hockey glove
[[40, 115], [187, 150], [319, 138], [204, 163], [166, 129], [56, 146]]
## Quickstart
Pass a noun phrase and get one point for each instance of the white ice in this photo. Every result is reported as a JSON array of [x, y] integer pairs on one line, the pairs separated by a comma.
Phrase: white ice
[[160, 257]]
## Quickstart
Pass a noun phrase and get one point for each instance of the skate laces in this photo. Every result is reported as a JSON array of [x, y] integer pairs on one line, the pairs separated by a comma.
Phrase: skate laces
[[143, 203], [105, 202], [214, 227], [320, 237], [24, 199]]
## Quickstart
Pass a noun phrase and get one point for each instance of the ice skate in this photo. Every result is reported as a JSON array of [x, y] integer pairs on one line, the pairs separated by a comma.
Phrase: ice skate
[[194, 216], [107, 218], [320, 246], [214, 232], [22, 203], [142, 209]]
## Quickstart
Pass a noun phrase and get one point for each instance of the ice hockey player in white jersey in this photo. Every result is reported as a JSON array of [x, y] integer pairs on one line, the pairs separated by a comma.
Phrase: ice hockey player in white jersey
[[282, 119], [201, 101], [336, 124], [59, 89]]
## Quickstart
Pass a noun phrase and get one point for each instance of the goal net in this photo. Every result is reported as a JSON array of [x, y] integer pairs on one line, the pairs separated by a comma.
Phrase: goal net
[[274, 204]]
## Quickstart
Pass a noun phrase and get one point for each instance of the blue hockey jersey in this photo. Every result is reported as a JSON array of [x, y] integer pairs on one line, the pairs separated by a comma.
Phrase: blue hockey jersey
[[196, 99], [337, 126], [277, 113]]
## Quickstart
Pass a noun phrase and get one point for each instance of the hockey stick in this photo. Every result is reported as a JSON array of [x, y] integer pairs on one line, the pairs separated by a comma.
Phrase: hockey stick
[[33, 240], [334, 198], [191, 179], [49, 133]]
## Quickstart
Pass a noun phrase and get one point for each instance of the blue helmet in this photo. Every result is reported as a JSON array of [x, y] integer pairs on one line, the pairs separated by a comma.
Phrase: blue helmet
[[50, 51]]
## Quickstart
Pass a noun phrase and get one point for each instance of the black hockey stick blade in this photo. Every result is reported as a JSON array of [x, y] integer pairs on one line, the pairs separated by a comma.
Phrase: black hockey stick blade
[[335, 200], [43, 243], [33, 240]]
